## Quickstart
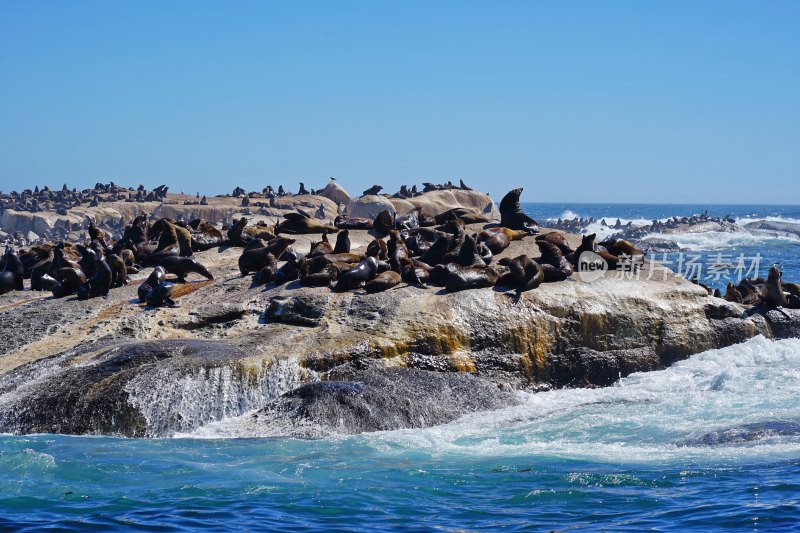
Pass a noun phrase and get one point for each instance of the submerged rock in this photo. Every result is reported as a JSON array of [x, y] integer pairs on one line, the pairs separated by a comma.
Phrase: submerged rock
[[376, 399]]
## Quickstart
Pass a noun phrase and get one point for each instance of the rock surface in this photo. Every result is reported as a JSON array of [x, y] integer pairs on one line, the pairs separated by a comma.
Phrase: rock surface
[[113, 366]]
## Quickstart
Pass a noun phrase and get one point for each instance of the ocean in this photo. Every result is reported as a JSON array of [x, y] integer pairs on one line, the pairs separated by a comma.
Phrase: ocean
[[711, 443]]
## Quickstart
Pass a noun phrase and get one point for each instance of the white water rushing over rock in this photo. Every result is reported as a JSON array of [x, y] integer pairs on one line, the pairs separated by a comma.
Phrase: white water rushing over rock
[[740, 403], [173, 402]]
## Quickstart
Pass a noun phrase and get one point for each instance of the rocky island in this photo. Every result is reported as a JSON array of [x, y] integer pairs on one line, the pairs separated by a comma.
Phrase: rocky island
[[279, 334]]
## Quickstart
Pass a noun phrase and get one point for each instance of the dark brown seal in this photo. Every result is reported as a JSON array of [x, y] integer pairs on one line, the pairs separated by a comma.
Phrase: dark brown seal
[[181, 266], [511, 215]]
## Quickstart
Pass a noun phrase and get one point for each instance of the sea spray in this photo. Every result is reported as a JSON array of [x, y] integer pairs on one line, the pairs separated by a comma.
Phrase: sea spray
[[173, 400]]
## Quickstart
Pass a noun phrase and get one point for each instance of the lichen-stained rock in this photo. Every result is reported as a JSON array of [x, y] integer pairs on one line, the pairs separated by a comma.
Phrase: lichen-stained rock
[[114, 366]]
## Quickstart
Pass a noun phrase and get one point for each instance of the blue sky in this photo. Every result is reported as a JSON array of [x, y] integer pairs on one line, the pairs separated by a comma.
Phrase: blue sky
[[575, 101]]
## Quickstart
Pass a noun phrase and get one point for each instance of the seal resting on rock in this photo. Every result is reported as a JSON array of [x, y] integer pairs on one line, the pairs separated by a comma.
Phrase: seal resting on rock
[[301, 223], [511, 215], [555, 265], [383, 281], [525, 274], [345, 222], [470, 278], [357, 276]]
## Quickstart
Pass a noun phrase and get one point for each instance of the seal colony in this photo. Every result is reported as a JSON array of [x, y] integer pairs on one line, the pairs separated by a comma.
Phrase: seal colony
[[415, 248], [131, 324]]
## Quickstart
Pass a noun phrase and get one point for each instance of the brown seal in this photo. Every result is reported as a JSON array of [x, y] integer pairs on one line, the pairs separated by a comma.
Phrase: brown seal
[[69, 279], [301, 223], [119, 271], [99, 284], [773, 295], [554, 237], [320, 248], [470, 278], [396, 250], [253, 259], [357, 276], [342, 242], [378, 249], [511, 215], [555, 265], [181, 266], [383, 281], [383, 223], [525, 273]]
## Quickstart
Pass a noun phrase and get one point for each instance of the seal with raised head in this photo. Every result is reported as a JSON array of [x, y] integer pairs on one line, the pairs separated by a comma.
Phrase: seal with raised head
[[383, 223], [161, 294], [397, 250], [236, 235], [253, 259], [181, 266], [342, 242], [525, 273], [155, 278], [555, 265], [378, 249], [264, 276], [69, 279], [468, 253], [290, 270], [375, 189], [119, 271], [773, 295], [320, 247], [11, 278], [39, 270], [364, 271], [511, 215], [99, 284]]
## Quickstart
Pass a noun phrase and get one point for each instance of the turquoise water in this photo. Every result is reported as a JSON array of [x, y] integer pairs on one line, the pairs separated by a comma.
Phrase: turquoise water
[[712, 442]]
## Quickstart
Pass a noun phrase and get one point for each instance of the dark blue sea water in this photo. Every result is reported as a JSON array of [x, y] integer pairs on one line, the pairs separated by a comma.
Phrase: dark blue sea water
[[710, 443]]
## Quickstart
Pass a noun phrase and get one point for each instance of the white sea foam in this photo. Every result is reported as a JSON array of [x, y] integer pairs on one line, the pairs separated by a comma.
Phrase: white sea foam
[[745, 390], [646, 417], [717, 240], [755, 218]]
